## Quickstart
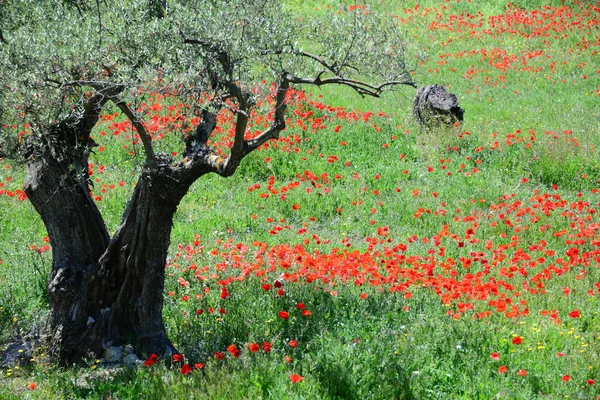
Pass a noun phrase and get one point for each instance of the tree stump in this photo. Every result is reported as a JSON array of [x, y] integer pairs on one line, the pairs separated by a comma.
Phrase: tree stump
[[434, 106]]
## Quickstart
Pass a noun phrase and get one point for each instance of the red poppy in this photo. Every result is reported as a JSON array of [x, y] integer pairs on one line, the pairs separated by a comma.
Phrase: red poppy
[[495, 356], [575, 314], [267, 347], [284, 314], [517, 340], [153, 359], [293, 343], [177, 358], [306, 313], [266, 287], [300, 306], [565, 378], [234, 351], [590, 381], [502, 369], [254, 347], [219, 355], [32, 386], [296, 378], [198, 365], [522, 372], [287, 359], [185, 369], [224, 293]]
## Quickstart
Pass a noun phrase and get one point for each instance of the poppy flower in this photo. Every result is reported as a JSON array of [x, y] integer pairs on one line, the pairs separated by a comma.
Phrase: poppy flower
[[495, 356], [575, 314], [306, 313], [185, 369], [565, 378], [234, 351], [293, 343], [522, 372], [296, 378], [198, 365], [502, 369], [177, 358], [267, 347], [590, 381], [300, 306], [254, 347], [287, 359], [284, 314], [517, 340], [219, 355], [224, 293], [153, 359], [32, 386]]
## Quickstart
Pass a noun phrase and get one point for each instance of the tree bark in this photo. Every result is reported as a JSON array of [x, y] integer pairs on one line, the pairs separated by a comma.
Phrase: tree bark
[[434, 106]]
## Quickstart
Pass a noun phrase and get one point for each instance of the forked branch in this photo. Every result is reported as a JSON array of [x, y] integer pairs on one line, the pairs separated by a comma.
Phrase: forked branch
[[139, 126]]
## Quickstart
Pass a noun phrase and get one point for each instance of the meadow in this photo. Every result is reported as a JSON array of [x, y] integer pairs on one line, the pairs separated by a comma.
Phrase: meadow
[[361, 255]]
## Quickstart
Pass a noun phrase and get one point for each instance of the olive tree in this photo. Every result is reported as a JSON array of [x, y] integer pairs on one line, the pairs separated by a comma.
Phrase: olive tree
[[63, 62]]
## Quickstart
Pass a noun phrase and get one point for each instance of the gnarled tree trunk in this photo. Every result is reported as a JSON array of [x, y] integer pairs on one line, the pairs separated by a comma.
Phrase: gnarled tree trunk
[[103, 291], [434, 106]]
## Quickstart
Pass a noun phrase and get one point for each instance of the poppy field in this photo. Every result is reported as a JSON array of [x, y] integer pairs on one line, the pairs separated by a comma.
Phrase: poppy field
[[361, 255]]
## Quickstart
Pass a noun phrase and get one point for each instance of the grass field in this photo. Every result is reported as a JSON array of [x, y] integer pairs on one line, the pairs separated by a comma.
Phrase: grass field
[[361, 256]]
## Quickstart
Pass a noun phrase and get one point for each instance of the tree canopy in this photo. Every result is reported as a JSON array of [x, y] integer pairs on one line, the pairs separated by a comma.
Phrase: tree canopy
[[52, 54]]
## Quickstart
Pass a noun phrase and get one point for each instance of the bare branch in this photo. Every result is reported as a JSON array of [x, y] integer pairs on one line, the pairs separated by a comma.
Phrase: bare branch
[[363, 88], [242, 147], [139, 126], [195, 143]]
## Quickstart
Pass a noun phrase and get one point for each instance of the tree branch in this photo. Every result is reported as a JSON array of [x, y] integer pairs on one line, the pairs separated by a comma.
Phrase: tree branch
[[242, 147], [363, 88], [139, 126]]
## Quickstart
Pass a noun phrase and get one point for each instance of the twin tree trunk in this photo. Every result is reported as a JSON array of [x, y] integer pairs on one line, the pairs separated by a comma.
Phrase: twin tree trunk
[[102, 291]]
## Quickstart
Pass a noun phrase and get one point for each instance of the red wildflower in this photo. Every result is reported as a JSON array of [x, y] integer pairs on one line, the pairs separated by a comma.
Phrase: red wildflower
[[522, 372], [300, 306], [296, 378], [254, 347], [590, 381], [153, 359], [287, 359], [502, 369], [267, 347], [224, 293], [566, 378], [233, 351], [198, 365], [293, 343], [219, 355], [185, 369], [177, 358], [306, 313], [33, 386], [575, 314], [495, 356], [284, 314], [517, 340], [266, 287]]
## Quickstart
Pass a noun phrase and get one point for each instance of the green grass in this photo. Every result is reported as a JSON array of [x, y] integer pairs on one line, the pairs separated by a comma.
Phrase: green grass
[[527, 132]]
